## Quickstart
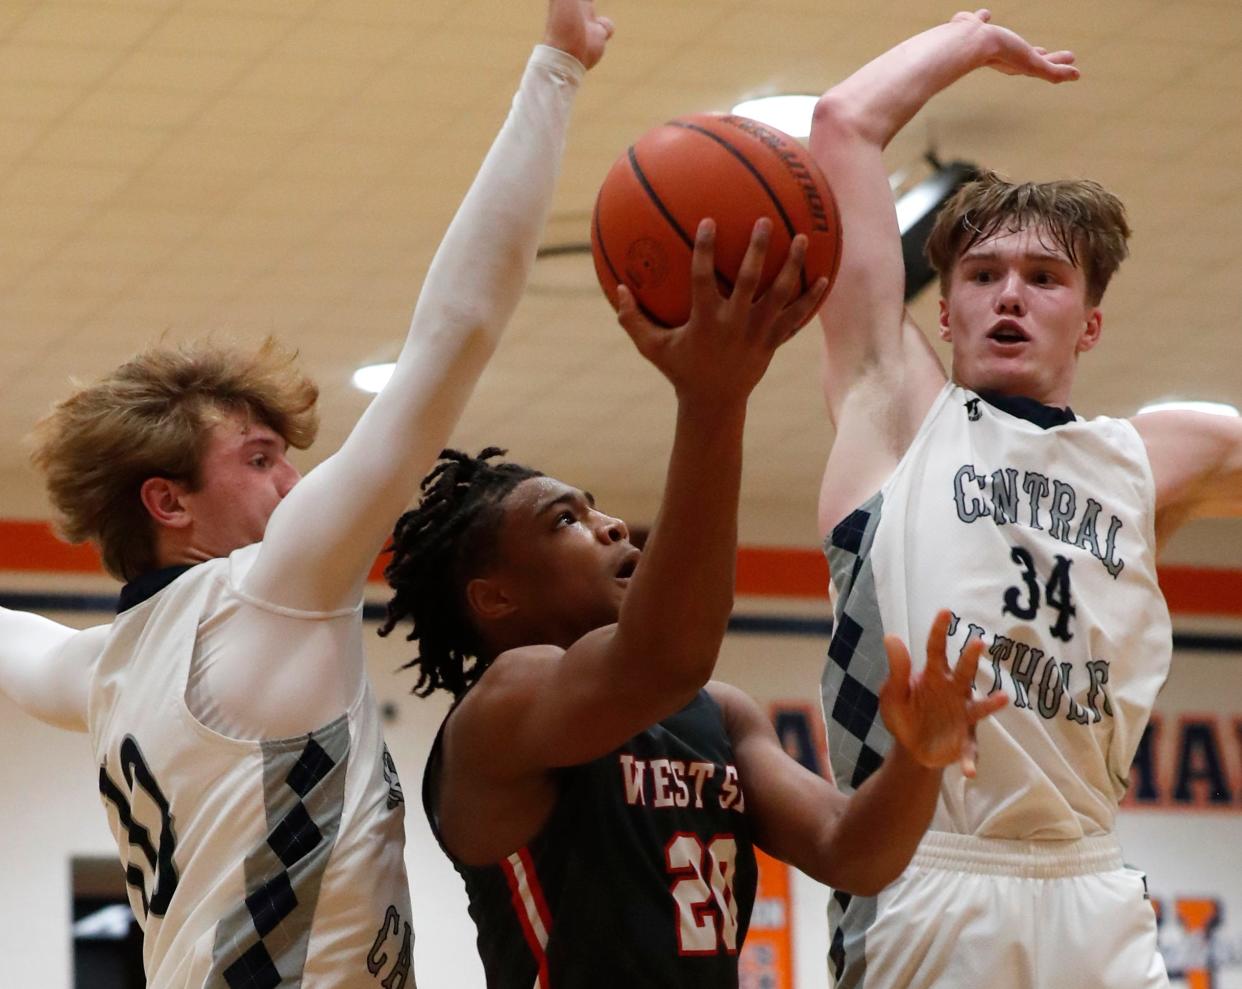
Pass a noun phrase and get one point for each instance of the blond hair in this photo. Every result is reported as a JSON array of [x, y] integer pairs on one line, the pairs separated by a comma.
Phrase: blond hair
[[151, 417], [1083, 219]]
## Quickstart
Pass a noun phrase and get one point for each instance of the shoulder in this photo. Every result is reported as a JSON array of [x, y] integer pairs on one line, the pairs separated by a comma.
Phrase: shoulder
[[508, 684], [241, 560], [89, 642], [1201, 430], [514, 666], [1196, 461], [1184, 447], [741, 713], [488, 732], [238, 571], [726, 695]]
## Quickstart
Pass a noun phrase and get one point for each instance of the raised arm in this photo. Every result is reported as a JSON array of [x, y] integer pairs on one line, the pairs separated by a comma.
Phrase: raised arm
[[323, 538], [1196, 461], [878, 381], [45, 667], [861, 843], [558, 710]]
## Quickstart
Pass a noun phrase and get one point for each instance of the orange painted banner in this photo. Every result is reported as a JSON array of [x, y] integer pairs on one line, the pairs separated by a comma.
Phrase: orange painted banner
[[34, 546], [766, 961], [763, 571]]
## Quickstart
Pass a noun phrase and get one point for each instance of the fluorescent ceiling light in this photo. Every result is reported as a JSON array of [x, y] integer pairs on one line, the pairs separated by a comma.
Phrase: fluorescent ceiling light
[[1211, 408], [373, 377], [924, 198], [789, 113]]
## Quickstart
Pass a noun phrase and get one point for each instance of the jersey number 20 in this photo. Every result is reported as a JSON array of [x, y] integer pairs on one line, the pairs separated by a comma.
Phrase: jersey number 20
[[703, 892]]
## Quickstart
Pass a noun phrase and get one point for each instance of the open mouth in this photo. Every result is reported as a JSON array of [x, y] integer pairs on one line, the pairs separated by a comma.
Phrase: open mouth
[[628, 566], [1008, 332]]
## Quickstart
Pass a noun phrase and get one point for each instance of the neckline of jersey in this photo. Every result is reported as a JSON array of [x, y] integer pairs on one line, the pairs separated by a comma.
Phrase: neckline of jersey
[[148, 585], [1033, 411]]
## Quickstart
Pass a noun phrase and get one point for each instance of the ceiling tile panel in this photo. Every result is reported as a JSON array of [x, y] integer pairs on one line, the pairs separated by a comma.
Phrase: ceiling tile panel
[[55, 64], [103, 25], [24, 100], [200, 72], [199, 28], [240, 168], [112, 146], [108, 106], [279, 76], [41, 182], [20, 136], [330, 40]]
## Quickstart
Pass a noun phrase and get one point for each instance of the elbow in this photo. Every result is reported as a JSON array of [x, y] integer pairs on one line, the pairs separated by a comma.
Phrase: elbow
[[703, 651], [863, 882], [678, 648], [848, 870], [676, 672], [466, 328], [835, 122], [686, 674], [873, 881]]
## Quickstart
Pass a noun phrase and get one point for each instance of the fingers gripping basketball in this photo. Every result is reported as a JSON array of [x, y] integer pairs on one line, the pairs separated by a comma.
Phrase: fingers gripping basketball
[[731, 169]]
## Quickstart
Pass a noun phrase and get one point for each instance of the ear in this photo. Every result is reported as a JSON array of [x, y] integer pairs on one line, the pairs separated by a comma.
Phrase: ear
[[945, 335], [163, 498], [1091, 332], [488, 599]]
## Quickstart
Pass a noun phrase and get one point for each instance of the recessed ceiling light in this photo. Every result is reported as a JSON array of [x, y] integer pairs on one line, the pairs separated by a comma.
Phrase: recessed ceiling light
[[1211, 408], [373, 377], [790, 113]]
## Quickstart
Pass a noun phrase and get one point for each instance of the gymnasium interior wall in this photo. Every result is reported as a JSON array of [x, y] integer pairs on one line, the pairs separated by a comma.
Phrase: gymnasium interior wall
[[1183, 831]]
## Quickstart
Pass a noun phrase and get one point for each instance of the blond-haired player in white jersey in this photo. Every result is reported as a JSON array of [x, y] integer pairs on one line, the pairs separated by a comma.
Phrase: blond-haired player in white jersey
[[256, 810], [984, 494]]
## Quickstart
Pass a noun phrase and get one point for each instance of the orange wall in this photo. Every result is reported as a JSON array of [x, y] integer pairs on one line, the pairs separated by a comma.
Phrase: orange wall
[[761, 570]]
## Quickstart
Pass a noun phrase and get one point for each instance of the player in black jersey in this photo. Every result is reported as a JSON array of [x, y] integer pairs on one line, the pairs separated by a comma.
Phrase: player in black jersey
[[601, 805]]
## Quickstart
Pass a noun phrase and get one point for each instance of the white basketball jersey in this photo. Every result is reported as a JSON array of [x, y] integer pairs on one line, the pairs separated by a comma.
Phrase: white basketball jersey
[[1041, 540], [249, 863]]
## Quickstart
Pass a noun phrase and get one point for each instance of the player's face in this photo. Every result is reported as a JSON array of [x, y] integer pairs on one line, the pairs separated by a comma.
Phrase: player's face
[[243, 477], [1017, 317], [565, 564]]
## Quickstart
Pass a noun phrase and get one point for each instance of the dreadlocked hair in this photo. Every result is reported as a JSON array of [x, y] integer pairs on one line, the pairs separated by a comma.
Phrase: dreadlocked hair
[[437, 548]]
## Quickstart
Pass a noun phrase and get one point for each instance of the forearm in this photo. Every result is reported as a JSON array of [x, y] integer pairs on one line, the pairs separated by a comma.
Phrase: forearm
[[883, 96], [853, 122], [480, 269], [875, 836], [679, 601], [343, 510]]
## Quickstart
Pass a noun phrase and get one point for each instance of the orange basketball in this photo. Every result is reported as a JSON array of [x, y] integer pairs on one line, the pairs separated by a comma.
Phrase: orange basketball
[[731, 169]]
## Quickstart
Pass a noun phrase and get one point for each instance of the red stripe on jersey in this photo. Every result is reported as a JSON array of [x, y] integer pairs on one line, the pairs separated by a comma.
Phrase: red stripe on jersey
[[536, 889], [528, 904]]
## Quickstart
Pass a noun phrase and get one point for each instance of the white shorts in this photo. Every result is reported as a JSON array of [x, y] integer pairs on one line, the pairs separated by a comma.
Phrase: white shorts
[[973, 912]]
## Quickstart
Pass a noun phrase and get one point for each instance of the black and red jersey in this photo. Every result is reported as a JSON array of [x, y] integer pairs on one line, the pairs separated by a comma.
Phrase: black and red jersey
[[644, 874]]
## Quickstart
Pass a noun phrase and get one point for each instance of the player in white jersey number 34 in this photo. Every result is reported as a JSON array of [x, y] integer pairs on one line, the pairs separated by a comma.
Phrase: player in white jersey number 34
[[984, 493]]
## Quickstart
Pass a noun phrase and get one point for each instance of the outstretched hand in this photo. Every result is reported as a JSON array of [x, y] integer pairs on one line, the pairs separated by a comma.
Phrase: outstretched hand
[[726, 346], [1009, 53], [575, 28], [932, 713]]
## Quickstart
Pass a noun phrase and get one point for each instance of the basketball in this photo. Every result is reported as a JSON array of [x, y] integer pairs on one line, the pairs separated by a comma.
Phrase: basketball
[[729, 168]]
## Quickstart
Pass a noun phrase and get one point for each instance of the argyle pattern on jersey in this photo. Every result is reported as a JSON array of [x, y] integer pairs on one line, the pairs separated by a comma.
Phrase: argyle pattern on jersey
[[262, 944], [857, 664]]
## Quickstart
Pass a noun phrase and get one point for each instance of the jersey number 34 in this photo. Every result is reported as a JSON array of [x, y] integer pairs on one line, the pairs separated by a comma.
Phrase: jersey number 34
[[1023, 602]]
